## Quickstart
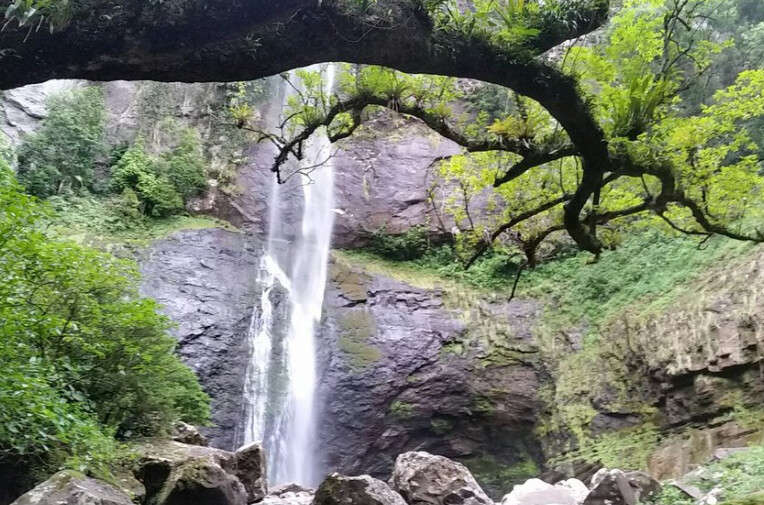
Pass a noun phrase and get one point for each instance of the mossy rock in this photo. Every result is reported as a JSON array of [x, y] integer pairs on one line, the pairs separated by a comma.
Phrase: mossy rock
[[352, 284], [74, 488], [401, 409], [357, 327], [497, 478]]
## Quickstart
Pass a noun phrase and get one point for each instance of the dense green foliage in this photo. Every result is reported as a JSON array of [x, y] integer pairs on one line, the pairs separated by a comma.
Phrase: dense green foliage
[[84, 357], [649, 264], [60, 160], [136, 173], [60, 157], [409, 245]]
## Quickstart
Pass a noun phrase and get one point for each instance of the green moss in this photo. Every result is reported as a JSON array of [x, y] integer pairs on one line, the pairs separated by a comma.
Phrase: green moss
[[441, 426], [401, 409], [628, 449], [357, 327], [453, 347], [498, 477], [412, 378], [483, 405]]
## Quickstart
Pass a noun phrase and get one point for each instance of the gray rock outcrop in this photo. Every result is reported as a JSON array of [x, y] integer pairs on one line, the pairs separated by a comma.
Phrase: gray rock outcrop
[[73, 488], [402, 370], [424, 479], [187, 434], [289, 494], [206, 281], [177, 474], [338, 489], [157, 460], [251, 471]]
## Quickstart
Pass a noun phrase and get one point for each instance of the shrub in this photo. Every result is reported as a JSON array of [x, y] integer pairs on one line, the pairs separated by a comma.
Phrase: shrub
[[60, 156], [137, 172], [184, 165], [83, 355], [409, 245]]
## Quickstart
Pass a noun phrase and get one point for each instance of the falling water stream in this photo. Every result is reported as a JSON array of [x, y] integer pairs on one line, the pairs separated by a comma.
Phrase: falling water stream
[[281, 377]]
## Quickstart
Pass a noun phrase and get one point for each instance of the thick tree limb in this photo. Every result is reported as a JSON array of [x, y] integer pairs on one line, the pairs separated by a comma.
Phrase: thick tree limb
[[533, 159]]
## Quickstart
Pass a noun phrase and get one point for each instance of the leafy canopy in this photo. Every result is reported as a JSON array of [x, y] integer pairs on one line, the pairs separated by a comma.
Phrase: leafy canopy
[[674, 164]]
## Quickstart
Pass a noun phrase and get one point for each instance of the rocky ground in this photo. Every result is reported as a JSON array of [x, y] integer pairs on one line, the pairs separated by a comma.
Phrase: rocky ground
[[179, 473]]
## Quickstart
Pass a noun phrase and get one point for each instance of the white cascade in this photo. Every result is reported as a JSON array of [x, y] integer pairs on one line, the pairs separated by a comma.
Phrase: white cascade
[[281, 378]]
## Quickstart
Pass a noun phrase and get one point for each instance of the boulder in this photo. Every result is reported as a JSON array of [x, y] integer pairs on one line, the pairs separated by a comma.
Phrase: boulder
[[614, 487], [578, 489], [337, 489], [289, 494], [288, 499], [200, 481], [422, 478], [188, 434], [72, 488], [611, 488], [176, 474], [290, 488], [538, 492], [645, 487], [249, 464], [157, 460]]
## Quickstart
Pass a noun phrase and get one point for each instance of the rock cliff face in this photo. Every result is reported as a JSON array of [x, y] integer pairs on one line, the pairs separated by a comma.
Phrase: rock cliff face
[[405, 368], [381, 181], [207, 282], [401, 367]]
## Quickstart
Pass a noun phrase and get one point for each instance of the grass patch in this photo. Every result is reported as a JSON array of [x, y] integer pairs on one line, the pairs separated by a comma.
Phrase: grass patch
[[97, 221], [652, 264]]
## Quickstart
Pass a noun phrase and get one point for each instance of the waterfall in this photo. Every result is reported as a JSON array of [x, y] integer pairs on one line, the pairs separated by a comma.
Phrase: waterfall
[[280, 385]]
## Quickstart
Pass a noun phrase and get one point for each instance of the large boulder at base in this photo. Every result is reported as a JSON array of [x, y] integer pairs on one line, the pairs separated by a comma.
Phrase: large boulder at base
[[157, 460], [176, 474], [424, 479], [72, 488], [250, 469], [364, 490], [188, 434], [614, 487], [538, 492], [200, 482]]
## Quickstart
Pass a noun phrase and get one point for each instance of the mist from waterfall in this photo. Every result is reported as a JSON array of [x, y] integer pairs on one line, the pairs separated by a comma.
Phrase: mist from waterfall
[[280, 386]]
